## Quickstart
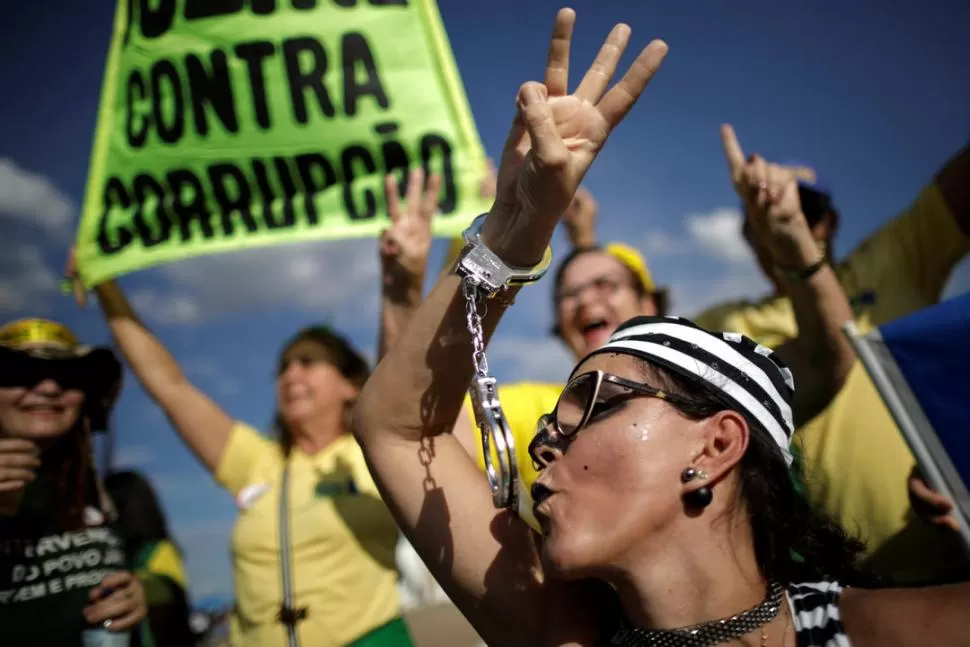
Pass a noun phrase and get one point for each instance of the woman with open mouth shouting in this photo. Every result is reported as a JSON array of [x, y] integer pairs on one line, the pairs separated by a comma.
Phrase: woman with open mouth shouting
[[668, 516]]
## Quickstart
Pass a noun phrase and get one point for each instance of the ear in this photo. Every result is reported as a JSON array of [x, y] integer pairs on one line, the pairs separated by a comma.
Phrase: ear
[[348, 391], [650, 305], [725, 437]]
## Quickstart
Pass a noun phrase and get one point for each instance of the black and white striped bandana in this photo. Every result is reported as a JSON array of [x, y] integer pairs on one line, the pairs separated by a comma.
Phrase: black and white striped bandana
[[750, 377]]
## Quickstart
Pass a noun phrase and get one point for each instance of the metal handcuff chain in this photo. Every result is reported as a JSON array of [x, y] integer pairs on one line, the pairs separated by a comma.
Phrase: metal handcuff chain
[[494, 428]]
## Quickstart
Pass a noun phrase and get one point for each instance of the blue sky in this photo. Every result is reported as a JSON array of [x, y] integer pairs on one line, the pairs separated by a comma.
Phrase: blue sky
[[875, 99]]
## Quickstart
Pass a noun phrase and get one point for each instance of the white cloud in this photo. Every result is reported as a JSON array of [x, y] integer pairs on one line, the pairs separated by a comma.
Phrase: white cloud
[[331, 277], [166, 308], [661, 243], [691, 297], [27, 283], [209, 370], [530, 359], [33, 198], [718, 233]]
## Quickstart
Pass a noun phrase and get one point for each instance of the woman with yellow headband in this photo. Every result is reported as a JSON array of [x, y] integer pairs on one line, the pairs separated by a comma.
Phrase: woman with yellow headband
[[61, 562]]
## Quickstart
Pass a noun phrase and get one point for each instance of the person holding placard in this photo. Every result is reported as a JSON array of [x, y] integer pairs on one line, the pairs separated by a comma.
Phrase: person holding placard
[[62, 563], [313, 548]]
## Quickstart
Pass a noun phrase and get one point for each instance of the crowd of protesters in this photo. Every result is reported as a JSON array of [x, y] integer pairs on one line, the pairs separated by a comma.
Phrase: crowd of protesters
[[732, 478]]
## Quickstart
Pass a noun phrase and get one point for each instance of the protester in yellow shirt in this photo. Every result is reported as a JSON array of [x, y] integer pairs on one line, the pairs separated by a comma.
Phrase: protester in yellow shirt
[[856, 463], [335, 545]]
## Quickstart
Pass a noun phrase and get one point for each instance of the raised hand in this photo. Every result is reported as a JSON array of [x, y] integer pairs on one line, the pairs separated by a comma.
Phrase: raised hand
[[580, 219], [71, 275], [931, 506], [486, 188], [19, 461], [405, 245], [556, 136], [769, 193]]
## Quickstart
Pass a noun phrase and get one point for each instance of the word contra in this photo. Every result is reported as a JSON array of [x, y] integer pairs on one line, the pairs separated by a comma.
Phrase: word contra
[[158, 99]]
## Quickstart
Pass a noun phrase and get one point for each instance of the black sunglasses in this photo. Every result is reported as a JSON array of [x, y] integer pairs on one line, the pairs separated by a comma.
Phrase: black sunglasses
[[23, 370], [586, 397]]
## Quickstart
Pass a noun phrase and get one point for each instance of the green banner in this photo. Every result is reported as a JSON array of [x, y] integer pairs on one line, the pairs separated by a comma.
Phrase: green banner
[[231, 124]]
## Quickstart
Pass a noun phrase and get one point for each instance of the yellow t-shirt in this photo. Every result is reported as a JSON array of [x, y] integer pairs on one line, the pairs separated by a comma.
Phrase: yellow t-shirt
[[343, 540], [523, 403], [856, 462]]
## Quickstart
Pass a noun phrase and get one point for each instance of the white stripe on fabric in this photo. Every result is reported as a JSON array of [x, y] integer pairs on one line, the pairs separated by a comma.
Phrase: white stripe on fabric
[[821, 587], [729, 386], [717, 347]]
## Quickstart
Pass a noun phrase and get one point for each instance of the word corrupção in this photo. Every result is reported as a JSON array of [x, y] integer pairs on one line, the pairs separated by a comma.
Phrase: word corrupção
[[267, 195]]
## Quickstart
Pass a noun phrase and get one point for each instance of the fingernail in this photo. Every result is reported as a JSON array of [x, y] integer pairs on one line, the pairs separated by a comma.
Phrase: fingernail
[[531, 95]]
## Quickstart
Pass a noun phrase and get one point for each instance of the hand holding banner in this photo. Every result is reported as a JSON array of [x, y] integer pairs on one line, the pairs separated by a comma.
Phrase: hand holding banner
[[232, 125]]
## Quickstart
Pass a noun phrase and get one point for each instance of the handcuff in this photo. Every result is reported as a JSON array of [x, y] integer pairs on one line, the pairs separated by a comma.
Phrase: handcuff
[[483, 276]]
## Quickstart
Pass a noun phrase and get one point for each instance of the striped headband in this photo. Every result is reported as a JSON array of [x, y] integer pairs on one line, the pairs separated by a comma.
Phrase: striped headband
[[748, 376]]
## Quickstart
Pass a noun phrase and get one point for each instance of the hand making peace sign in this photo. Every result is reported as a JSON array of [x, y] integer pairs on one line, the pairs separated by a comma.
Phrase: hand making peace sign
[[556, 136], [406, 243]]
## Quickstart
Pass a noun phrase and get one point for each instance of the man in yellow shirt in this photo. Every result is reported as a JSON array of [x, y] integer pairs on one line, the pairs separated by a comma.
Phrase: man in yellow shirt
[[855, 461]]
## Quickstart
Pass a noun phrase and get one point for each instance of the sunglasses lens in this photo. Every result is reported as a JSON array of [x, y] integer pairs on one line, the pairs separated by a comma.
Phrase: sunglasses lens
[[20, 370], [574, 402], [70, 376]]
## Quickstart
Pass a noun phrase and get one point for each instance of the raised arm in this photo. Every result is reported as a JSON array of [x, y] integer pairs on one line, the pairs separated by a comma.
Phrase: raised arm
[[484, 558], [404, 253], [580, 219], [201, 423], [821, 356]]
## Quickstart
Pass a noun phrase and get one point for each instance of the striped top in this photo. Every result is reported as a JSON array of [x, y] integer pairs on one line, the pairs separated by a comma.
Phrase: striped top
[[815, 614]]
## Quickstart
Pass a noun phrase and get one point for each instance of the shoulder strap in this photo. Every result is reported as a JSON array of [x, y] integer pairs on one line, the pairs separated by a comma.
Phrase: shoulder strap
[[288, 615]]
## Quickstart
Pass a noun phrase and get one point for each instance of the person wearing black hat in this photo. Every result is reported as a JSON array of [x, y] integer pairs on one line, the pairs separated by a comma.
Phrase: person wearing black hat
[[61, 562], [667, 513]]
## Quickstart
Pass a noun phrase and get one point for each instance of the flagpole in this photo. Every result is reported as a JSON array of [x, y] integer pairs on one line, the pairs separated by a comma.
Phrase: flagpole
[[930, 454]]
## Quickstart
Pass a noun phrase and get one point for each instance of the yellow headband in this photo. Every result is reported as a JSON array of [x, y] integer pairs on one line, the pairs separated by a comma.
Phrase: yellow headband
[[632, 260], [37, 332]]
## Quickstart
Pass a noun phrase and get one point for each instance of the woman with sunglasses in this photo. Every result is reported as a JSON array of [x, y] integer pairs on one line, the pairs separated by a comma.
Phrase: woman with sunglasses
[[313, 547], [62, 563], [667, 514]]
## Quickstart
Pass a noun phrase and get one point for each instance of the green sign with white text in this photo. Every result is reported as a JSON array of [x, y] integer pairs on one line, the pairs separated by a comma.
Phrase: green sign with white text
[[231, 124]]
